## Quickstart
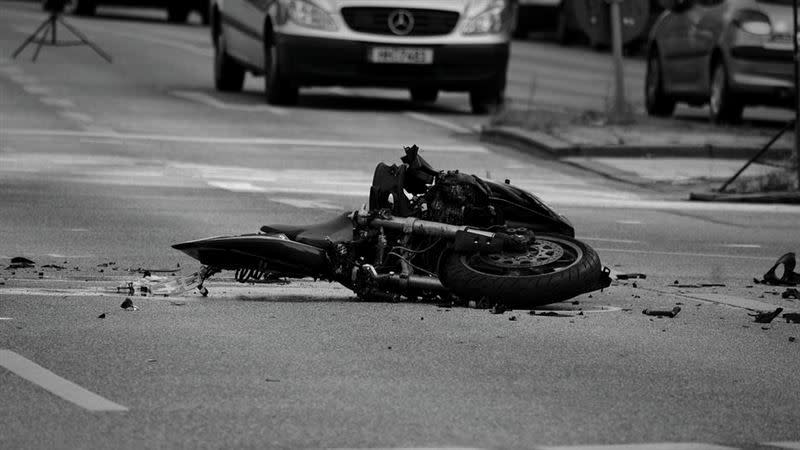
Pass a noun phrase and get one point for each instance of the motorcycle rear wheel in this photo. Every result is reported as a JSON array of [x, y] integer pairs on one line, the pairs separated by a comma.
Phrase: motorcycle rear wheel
[[555, 268]]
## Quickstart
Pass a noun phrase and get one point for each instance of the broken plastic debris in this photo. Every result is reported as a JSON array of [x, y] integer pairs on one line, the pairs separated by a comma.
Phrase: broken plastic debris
[[662, 313], [155, 285], [497, 309], [791, 293], [19, 262], [628, 276], [102, 316], [792, 317], [789, 276], [765, 317], [128, 305], [549, 314], [53, 266]]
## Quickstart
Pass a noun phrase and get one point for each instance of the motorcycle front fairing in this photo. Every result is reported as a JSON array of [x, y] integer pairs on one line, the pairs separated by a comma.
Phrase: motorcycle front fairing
[[523, 209]]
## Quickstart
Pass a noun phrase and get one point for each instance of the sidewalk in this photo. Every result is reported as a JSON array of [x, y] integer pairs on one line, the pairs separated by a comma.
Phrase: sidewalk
[[677, 154]]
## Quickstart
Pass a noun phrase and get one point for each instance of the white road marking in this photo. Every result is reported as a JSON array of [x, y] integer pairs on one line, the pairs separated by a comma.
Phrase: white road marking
[[629, 222], [438, 122], [236, 186], [74, 115], [60, 102], [24, 79], [572, 201], [726, 299], [305, 203], [11, 70], [241, 141], [620, 241], [699, 255], [6, 318], [784, 444], [55, 384], [741, 245], [651, 446], [59, 255], [213, 102], [36, 89]]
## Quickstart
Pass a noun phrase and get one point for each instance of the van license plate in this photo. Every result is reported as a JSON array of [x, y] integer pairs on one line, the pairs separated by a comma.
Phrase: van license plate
[[401, 55]]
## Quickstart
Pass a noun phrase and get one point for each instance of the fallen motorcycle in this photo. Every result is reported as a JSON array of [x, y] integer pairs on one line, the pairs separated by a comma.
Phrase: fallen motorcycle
[[427, 235]]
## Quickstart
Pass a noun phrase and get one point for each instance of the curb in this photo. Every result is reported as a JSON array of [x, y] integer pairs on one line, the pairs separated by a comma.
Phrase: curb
[[557, 148], [792, 198], [542, 144]]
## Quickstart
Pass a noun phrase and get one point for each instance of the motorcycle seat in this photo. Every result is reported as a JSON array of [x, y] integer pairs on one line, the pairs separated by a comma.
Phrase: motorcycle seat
[[321, 234]]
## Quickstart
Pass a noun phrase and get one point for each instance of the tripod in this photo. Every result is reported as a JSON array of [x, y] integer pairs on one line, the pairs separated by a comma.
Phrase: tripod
[[49, 25]]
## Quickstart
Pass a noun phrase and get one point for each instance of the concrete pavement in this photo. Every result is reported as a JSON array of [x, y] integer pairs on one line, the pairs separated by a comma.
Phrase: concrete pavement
[[675, 155]]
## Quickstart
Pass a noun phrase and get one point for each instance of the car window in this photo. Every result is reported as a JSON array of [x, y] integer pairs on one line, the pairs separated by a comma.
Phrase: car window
[[777, 2]]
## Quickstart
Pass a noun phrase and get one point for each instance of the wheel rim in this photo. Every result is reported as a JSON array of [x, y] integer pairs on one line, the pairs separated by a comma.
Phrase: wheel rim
[[543, 256], [717, 91]]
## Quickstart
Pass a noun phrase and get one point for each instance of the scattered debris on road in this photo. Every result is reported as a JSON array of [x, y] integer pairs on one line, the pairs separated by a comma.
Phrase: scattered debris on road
[[663, 313], [19, 262], [789, 276], [53, 266], [628, 276], [792, 317], [128, 305], [549, 314], [102, 316], [497, 309], [766, 317], [791, 293]]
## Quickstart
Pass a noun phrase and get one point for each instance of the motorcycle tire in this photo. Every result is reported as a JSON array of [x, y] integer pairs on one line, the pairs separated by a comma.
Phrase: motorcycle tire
[[554, 269]]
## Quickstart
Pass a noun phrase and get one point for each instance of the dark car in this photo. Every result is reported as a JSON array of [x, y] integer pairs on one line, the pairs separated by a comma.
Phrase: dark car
[[177, 10], [728, 54]]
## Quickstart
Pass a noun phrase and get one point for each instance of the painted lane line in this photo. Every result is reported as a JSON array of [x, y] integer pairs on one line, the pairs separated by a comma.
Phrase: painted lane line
[[74, 115], [241, 141], [6, 318], [620, 241], [36, 89], [60, 102], [438, 122], [213, 102], [55, 384], [237, 186], [785, 444], [305, 204], [741, 245], [24, 79], [629, 222], [699, 255], [650, 446], [669, 205]]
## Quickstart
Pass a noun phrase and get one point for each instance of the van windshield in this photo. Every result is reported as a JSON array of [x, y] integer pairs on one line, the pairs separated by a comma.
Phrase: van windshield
[[777, 2]]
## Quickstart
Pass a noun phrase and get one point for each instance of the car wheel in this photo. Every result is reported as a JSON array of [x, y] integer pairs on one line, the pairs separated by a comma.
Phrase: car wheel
[[228, 74], [279, 90], [485, 100], [178, 12], [723, 106], [657, 102], [424, 95]]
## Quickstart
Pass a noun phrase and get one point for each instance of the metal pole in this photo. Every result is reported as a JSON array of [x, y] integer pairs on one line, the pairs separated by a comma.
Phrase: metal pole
[[796, 94], [620, 106]]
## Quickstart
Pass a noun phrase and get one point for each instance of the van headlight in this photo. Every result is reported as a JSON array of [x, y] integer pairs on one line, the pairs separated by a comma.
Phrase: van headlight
[[307, 14], [487, 17], [753, 22]]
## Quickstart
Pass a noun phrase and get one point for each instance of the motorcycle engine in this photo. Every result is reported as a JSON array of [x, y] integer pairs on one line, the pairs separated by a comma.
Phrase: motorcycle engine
[[459, 199]]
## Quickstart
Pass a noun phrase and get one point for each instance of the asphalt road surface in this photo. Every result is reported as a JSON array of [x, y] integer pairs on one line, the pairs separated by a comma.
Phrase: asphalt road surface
[[104, 166]]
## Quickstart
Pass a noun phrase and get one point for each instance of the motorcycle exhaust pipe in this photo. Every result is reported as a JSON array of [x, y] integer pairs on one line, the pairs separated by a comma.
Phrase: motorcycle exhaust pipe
[[465, 239], [406, 283]]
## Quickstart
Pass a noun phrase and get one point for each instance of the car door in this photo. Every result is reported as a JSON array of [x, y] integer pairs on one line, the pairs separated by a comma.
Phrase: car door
[[671, 36], [705, 27]]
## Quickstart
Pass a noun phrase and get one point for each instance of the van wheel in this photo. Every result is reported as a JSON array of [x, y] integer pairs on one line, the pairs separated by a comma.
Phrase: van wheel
[[228, 74], [424, 95], [178, 13], [279, 90], [657, 102], [487, 98], [723, 106]]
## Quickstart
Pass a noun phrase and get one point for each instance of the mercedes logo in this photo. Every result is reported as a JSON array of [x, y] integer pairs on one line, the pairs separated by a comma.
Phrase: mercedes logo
[[401, 22]]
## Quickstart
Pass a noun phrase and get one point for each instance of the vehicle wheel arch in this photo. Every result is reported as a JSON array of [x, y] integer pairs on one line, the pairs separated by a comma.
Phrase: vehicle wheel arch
[[215, 23]]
